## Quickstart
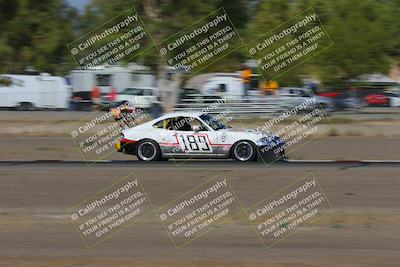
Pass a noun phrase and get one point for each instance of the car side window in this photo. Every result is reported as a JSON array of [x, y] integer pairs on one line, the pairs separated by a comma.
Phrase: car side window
[[127, 91], [222, 88], [163, 124], [180, 124], [147, 92], [159, 124], [199, 124], [186, 124], [135, 91]]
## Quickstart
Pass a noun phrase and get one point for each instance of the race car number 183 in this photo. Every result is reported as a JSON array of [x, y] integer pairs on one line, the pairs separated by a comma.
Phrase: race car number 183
[[194, 143]]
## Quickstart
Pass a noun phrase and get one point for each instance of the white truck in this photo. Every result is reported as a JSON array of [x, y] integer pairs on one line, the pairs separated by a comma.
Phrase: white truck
[[26, 92], [229, 86], [138, 97]]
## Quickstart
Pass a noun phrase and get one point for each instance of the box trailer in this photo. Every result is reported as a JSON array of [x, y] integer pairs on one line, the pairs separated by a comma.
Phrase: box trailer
[[27, 92], [106, 78]]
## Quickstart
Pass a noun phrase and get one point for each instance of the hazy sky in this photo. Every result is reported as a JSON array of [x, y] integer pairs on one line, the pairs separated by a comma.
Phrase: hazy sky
[[78, 3]]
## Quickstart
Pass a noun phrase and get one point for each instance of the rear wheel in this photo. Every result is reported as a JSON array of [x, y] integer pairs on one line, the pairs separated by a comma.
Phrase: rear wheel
[[148, 150], [243, 151], [25, 106]]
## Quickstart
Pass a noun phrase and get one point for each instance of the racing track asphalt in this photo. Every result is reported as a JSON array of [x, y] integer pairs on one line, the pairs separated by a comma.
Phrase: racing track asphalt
[[208, 163], [35, 228]]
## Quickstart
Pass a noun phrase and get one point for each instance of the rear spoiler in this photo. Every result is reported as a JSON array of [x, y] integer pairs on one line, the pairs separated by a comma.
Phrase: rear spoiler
[[124, 116]]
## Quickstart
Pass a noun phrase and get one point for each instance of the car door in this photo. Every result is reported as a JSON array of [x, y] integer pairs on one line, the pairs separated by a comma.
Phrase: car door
[[140, 101], [148, 97], [193, 138], [163, 134], [126, 96]]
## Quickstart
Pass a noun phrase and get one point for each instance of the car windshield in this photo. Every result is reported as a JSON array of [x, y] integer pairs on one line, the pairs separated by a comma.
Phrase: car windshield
[[213, 122]]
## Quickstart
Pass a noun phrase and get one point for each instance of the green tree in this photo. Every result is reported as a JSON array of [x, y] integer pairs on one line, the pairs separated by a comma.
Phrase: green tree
[[362, 39], [365, 35], [35, 34]]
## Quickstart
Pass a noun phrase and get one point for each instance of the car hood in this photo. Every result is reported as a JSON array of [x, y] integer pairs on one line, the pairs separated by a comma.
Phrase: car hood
[[251, 132]]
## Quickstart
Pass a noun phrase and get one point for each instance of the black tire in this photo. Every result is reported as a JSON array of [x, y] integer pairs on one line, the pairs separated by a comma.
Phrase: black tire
[[148, 150], [244, 151], [25, 106]]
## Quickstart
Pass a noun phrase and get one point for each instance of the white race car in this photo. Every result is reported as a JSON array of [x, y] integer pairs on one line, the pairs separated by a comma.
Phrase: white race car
[[191, 135]]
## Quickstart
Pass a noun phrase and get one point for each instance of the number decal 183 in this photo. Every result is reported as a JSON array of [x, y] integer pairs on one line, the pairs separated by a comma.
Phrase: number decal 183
[[193, 143]]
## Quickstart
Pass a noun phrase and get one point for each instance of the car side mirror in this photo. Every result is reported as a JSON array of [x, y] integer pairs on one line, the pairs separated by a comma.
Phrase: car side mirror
[[196, 128]]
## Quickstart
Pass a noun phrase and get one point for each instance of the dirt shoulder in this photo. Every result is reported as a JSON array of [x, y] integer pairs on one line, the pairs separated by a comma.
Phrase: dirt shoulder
[[44, 135], [336, 148]]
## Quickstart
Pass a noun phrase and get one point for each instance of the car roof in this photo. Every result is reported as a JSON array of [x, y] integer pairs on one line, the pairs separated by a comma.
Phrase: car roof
[[180, 114], [138, 87]]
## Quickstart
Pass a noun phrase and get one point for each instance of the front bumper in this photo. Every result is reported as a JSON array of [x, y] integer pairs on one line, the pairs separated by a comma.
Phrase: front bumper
[[273, 150]]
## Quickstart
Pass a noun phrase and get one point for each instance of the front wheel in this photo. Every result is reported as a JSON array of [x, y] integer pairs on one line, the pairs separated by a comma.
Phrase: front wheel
[[148, 150], [243, 151]]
